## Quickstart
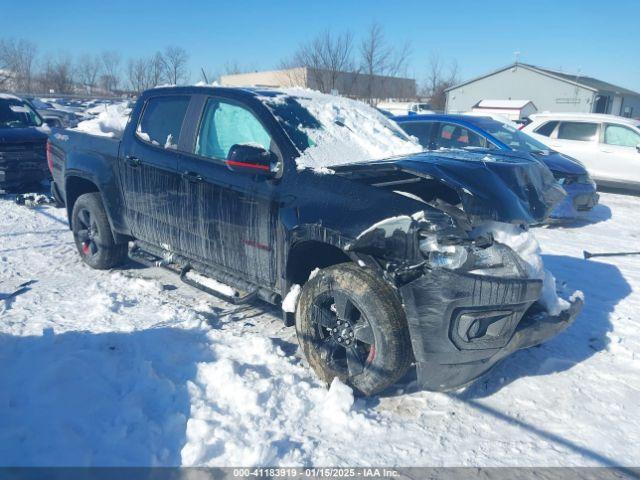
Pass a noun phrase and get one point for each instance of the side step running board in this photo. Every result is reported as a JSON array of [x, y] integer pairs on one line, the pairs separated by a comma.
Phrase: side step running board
[[237, 299], [154, 257]]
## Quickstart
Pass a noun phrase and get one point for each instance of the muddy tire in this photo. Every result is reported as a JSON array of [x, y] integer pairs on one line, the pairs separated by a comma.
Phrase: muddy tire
[[351, 325], [92, 234]]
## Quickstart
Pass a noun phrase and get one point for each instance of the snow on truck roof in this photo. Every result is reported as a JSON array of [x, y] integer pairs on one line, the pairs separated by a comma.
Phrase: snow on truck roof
[[327, 129]]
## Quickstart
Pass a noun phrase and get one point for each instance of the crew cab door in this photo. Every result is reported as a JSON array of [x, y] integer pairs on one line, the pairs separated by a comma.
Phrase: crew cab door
[[580, 140], [229, 217], [149, 170], [620, 154]]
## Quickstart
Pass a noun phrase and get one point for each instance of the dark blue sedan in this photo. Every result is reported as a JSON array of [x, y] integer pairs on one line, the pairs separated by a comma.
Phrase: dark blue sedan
[[484, 133]]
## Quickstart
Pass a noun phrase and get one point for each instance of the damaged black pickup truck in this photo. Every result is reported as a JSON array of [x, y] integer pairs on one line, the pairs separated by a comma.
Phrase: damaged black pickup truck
[[273, 195]]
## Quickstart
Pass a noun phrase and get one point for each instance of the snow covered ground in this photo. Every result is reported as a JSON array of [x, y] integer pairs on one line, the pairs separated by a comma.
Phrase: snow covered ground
[[131, 367]]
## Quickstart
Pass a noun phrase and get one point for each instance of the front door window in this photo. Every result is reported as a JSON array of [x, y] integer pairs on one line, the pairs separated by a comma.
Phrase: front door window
[[225, 124]]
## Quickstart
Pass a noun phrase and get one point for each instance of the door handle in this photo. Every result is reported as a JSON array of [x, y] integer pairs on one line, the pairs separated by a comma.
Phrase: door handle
[[133, 161], [192, 177]]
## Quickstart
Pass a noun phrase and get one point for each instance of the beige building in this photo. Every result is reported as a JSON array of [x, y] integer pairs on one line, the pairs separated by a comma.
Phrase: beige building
[[348, 84]]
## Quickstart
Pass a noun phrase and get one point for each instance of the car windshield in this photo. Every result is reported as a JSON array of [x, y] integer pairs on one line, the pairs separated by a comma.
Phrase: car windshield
[[511, 136], [330, 130], [14, 113]]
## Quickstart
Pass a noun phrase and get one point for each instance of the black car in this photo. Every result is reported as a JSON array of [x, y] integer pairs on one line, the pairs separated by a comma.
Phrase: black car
[[389, 256], [23, 138]]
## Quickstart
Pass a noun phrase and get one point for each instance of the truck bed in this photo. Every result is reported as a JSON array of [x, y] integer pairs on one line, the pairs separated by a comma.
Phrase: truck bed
[[82, 141]]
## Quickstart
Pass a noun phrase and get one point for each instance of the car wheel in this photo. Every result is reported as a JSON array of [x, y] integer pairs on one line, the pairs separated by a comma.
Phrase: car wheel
[[351, 325], [92, 234]]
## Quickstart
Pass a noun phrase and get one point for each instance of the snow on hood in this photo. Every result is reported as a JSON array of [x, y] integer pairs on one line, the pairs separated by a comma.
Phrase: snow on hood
[[111, 122], [349, 131]]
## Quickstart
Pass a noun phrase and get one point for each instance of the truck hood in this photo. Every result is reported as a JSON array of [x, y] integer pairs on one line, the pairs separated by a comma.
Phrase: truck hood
[[559, 163], [501, 186]]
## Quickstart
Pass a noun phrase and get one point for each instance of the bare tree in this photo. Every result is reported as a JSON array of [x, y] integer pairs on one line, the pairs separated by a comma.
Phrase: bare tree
[[110, 78], [88, 68], [327, 57], [58, 73], [5, 63], [17, 59], [156, 70], [379, 59], [440, 77], [138, 74], [175, 65]]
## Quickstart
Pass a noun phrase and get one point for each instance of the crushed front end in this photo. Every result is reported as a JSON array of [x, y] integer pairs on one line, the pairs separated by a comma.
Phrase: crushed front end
[[461, 324], [472, 294]]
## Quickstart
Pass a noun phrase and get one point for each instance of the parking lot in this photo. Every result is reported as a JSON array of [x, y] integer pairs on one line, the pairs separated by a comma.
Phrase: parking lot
[[131, 367]]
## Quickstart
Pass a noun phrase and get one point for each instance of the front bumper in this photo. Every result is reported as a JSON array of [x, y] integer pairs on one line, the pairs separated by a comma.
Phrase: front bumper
[[462, 324], [580, 197]]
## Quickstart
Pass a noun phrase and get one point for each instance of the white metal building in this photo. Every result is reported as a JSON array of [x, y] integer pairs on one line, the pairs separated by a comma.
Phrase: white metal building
[[549, 90]]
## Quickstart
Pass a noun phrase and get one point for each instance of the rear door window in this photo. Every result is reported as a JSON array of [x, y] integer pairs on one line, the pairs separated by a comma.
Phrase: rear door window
[[161, 121], [579, 131], [621, 136], [546, 129], [420, 130]]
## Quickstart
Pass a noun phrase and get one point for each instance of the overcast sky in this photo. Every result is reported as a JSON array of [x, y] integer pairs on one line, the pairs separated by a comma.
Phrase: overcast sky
[[601, 39]]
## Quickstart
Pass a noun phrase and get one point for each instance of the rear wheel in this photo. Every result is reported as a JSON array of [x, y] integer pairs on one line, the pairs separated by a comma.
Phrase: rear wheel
[[92, 233], [351, 325]]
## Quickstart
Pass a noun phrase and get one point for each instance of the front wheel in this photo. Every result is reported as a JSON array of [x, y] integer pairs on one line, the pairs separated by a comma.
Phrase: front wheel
[[351, 325], [92, 234]]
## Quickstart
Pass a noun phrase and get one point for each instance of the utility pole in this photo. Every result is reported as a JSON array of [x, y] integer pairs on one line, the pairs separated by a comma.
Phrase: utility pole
[[516, 54]]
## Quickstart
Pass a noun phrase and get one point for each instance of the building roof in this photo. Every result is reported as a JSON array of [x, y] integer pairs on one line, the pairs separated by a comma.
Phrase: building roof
[[589, 83]]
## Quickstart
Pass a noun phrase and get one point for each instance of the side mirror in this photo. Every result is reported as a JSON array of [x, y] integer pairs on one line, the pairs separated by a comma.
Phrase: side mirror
[[638, 148], [250, 159]]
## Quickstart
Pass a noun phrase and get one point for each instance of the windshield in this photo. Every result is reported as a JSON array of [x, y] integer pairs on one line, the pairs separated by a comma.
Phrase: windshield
[[330, 130], [14, 113], [511, 136]]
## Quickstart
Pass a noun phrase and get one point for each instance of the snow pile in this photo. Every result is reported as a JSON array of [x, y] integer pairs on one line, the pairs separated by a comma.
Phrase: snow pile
[[526, 246], [238, 400], [351, 131], [110, 122], [339, 401], [291, 299], [210, 283], [132, 367]]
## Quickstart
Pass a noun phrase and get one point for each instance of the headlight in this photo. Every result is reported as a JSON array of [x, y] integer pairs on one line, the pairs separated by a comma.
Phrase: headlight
[[495, 259], [451, 257]]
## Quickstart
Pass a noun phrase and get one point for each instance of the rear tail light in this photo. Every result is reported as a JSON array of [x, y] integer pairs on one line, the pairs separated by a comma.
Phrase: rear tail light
[[50, 156]]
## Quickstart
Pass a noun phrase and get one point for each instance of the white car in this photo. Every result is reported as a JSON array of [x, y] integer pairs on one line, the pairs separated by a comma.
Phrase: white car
[[608, 145]]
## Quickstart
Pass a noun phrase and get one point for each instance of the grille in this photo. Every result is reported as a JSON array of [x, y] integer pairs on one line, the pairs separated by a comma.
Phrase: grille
[[23, 156]]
